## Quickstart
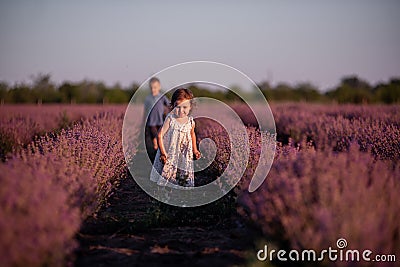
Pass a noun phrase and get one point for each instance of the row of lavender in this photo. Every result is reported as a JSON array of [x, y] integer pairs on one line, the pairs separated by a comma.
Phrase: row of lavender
[[335, 175], [312, 198], [20, 124], [49, 188], [374, 128]]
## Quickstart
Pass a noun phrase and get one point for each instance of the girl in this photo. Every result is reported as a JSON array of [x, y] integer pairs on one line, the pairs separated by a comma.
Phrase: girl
[[176, 144]]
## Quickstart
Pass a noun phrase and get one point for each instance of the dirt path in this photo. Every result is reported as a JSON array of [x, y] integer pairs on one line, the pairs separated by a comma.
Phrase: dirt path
[[136, 230]]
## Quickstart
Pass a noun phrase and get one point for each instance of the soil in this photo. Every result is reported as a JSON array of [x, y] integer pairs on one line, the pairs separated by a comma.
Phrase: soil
[[137, 230]]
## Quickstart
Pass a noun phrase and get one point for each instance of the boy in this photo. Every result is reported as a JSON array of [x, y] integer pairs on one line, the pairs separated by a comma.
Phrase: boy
[[156, 117]]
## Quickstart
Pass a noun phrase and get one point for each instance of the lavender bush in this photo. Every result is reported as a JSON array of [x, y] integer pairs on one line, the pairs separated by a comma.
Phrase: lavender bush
[[336, 175], [312, 198], [37, 228], [374, 128], [90, 153], [69, 176], [20, 124]]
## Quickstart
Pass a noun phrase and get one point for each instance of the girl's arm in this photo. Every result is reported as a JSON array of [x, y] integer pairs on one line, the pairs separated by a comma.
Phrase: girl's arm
[[160, 137], [196, 152]]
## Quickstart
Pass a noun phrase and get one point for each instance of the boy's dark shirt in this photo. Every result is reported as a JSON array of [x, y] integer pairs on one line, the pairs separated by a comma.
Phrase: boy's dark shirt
[[156, 115]]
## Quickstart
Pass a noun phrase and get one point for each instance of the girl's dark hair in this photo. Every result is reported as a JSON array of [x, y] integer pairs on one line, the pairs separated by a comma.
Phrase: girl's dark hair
[[181, 94]]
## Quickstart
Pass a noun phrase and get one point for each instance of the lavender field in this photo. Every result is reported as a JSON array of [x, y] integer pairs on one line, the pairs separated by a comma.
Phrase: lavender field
[[20, 124], [67, 198]]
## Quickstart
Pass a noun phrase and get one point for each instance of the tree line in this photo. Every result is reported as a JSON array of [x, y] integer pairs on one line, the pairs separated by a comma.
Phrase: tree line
[[351, 89]]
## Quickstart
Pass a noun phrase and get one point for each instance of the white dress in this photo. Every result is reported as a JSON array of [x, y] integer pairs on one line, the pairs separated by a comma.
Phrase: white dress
[[178, 170]]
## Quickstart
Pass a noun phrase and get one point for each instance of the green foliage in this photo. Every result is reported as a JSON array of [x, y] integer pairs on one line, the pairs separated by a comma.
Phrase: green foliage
[[351, 89], [389, 93], [284, 92], [115, 96]]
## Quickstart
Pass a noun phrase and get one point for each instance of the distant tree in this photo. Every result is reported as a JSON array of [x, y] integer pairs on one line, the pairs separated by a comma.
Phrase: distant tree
[[199, 91], [264, 86], [266, 89], [70, 93], [22, 93], [356, 83], [4, 96], [307, 92], [230, 95], [283, 91], [352, 90], [44, 90], [89, 92], [115, 95], [131, 90], [101, 89], [389, 93]]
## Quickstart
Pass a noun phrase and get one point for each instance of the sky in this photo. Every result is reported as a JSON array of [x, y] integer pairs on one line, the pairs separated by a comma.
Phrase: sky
[[316, 41]]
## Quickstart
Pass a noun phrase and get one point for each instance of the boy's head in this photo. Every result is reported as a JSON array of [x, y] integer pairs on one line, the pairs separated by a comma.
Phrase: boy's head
[[155, 86]]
